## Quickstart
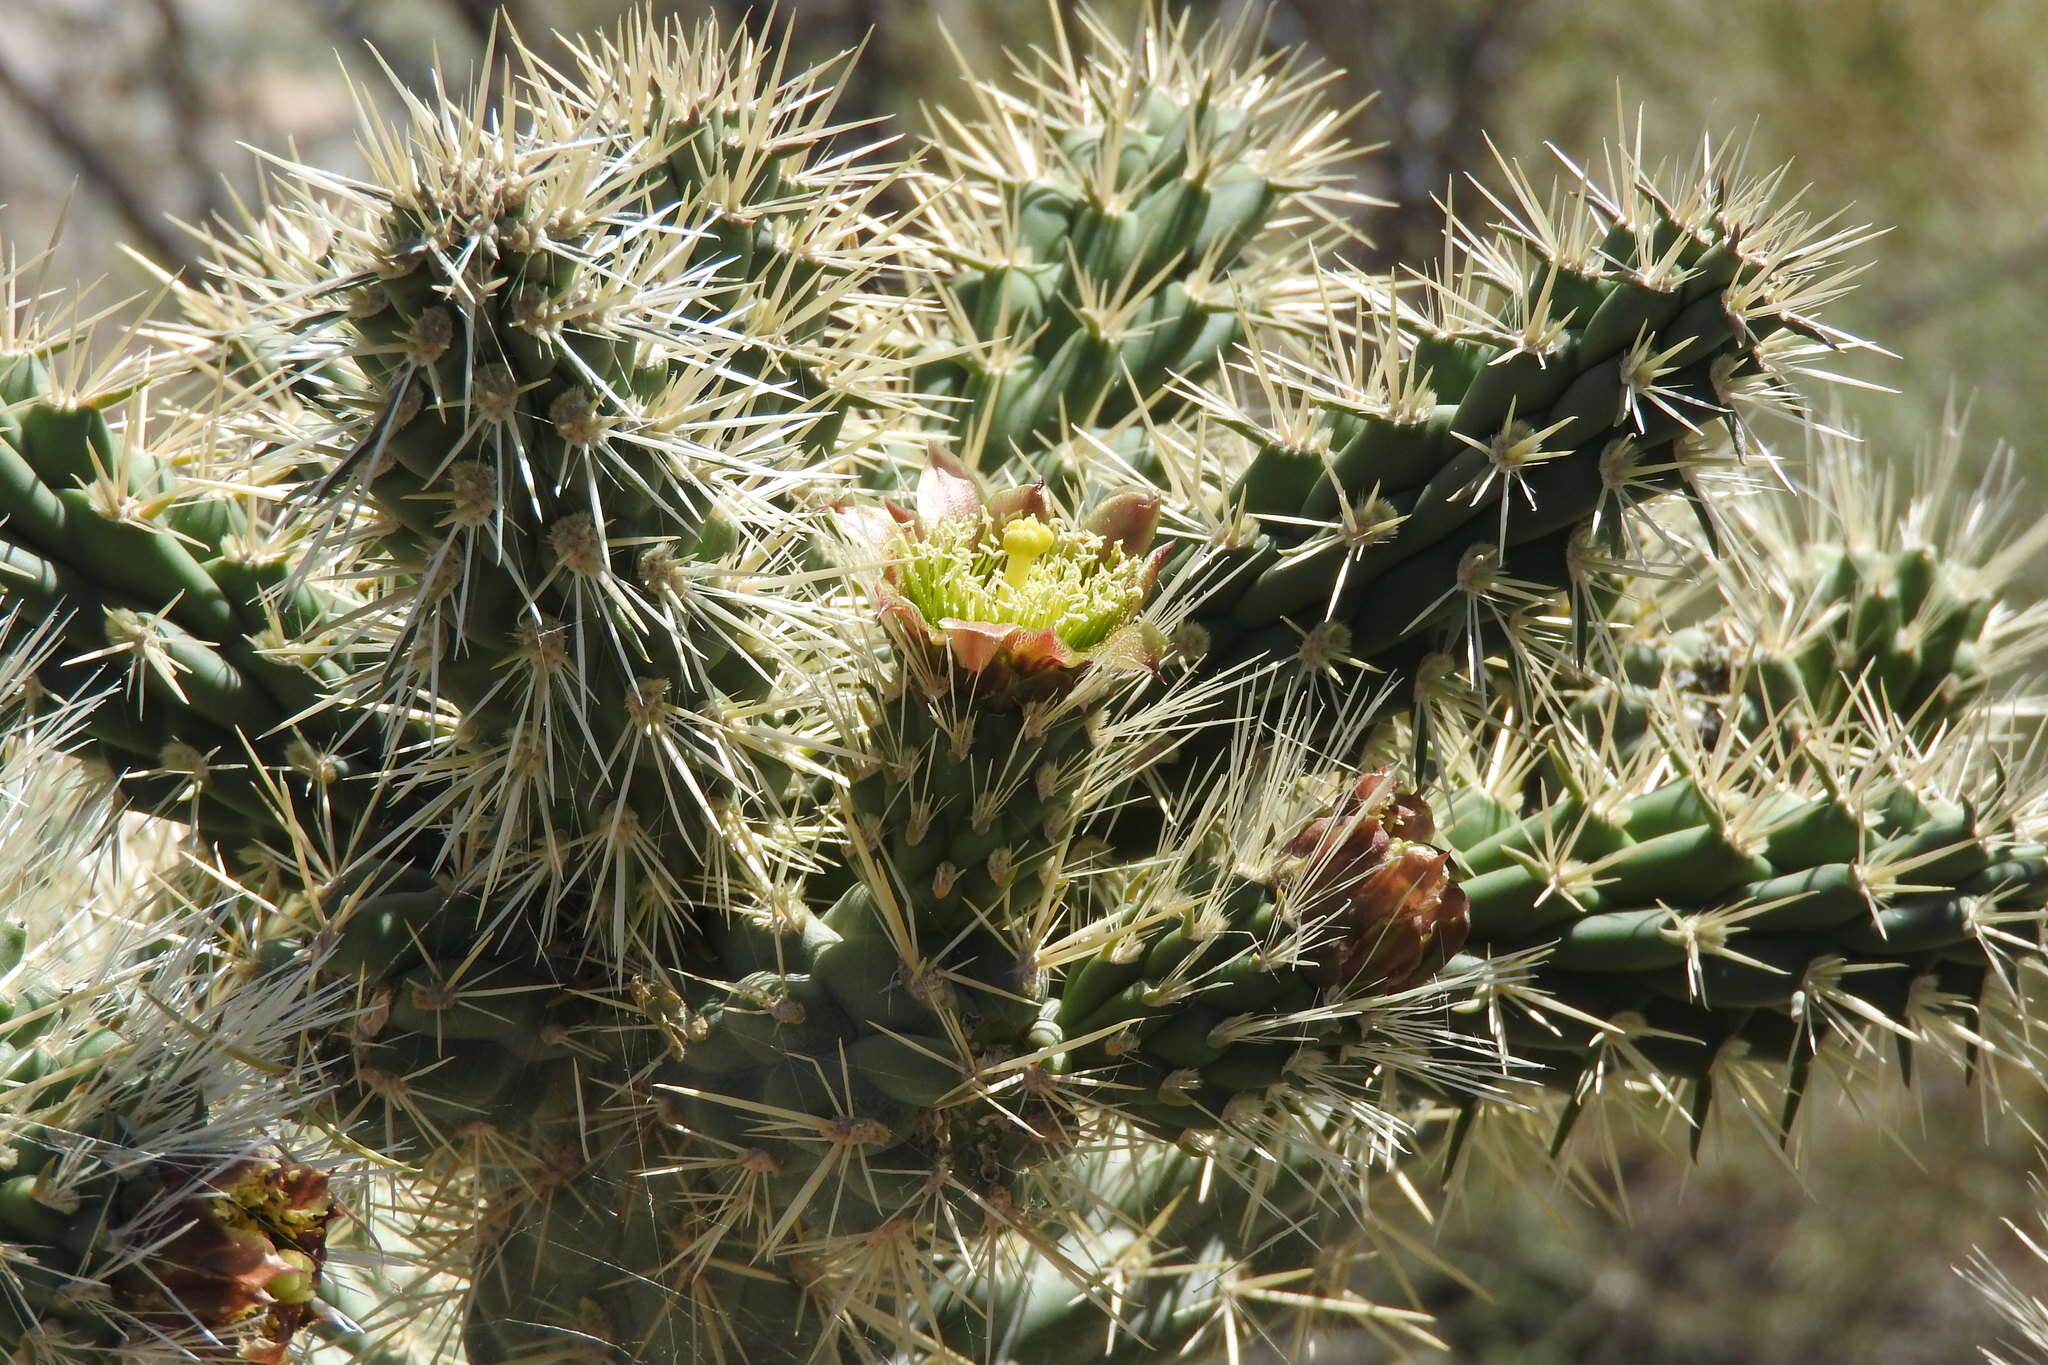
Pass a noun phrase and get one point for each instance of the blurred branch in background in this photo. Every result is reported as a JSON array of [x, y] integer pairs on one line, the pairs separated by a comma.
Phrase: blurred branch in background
[[357, 34], [481, 17], [148, 107], [140, 216], [1443, 74], [193, 126]]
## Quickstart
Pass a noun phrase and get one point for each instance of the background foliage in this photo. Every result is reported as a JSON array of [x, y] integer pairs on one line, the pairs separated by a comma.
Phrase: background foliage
[[1929, 118]]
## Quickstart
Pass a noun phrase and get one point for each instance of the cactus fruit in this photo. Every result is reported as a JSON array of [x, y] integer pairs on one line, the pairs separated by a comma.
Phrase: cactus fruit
[[790, 759]]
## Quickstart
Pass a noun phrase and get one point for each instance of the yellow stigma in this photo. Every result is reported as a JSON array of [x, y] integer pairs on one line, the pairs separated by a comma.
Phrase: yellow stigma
[[1024, 540]]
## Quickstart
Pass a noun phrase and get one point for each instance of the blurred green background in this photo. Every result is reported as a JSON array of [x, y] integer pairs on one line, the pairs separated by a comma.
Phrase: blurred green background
[[1926, 117]]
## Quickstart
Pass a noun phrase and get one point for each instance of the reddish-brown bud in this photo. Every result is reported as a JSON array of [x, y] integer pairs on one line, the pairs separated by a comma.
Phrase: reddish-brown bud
[[1375, 899]]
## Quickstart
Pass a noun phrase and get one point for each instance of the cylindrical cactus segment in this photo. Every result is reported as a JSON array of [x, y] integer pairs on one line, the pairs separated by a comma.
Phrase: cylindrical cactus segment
[[604, 1265], [1897, 632], [1260, 1253], [452, 1053], [1012, 627], [859, 1086], [1696, 904], [572, 419], [1112, 228], [177, 616], [1440, 462], [449, 1053], [1891, 590]]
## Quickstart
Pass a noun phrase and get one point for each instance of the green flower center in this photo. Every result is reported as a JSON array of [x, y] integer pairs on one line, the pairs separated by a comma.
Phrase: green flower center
[[1029, 573]]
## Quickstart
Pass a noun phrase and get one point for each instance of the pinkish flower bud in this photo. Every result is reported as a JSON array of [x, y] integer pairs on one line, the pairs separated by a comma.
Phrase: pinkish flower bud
[[1025, 500], [1127, 521], [946, 491]]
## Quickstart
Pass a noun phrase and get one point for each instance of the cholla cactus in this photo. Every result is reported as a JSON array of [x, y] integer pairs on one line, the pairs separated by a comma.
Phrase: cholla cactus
[[805, 760]]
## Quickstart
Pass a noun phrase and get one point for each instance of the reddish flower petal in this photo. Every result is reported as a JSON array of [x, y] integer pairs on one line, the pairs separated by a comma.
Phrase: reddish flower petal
[[1373, 789], [1411, 819], [975, 644], [900, 609], [1041, 649], [946, 491], [1406, 920]]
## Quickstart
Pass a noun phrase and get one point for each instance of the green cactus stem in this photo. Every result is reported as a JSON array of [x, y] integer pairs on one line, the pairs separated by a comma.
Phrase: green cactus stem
[[176, 615], [1702, 895], [1483, 437], [702, 910], [572, 382], [1114, 225]]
